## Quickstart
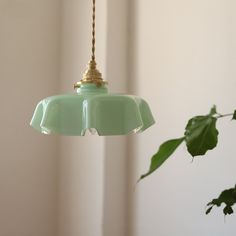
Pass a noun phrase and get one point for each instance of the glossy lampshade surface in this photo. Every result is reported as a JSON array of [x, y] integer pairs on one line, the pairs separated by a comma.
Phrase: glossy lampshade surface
[[92, 108]]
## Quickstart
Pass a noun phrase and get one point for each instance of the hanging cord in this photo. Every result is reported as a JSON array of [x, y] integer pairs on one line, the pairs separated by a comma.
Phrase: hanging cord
[[92, 75], [93, 32]]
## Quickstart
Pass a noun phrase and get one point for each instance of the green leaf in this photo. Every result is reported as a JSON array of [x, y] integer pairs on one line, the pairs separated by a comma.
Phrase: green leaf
[[228, 210], [213, 111], [234, 115], [209, 210], [228, 197], [201, 134], [164, 152]]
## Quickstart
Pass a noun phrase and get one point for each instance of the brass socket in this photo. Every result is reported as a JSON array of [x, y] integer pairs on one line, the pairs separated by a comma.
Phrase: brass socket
[[91, 75]]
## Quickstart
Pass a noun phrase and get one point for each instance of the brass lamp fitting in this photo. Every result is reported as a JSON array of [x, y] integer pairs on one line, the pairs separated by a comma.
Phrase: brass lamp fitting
[[91, 75]]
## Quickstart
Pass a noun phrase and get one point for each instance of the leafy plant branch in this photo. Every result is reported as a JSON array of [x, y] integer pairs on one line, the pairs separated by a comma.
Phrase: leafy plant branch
[[200, 136]]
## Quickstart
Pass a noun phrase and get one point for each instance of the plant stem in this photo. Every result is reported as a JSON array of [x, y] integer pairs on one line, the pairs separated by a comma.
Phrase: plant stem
[[225, 115]]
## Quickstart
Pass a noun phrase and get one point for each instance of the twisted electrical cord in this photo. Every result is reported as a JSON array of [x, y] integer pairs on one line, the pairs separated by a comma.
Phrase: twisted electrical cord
[[93, 32]]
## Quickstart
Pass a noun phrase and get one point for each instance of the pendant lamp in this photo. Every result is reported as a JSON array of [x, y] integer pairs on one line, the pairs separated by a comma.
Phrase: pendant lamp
[[92, 108]]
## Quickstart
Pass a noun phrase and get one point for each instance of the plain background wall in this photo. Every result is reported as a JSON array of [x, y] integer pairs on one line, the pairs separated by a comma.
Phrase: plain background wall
[[29, 70], [93, 189], [80, 208], [178, 55], [115, 220], [184, 62]]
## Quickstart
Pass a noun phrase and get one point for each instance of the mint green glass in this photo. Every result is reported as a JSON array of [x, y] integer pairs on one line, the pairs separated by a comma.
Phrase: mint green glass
[[92, 108]]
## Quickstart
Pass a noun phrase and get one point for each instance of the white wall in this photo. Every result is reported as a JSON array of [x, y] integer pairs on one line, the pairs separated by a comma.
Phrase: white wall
[[178, 55], [184, 62], [29, 66], [115, 220], [81, 188]]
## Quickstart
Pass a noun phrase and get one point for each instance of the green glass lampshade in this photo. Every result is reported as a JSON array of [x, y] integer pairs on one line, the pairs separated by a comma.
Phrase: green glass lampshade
[[92, 108]]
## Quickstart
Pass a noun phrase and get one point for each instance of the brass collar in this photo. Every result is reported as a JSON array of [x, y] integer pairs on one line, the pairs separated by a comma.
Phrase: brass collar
[[91, 75]]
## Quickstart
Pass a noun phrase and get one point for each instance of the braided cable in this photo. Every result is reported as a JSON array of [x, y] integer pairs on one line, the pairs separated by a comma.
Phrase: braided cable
[[93, 32]]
